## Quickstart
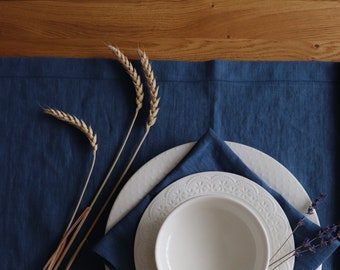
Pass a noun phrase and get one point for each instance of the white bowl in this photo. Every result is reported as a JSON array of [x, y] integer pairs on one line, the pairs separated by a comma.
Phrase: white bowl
[[211, 232]]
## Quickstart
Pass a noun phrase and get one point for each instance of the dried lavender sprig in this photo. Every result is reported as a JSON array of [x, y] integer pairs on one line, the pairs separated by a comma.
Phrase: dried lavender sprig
[[325, 237], [310, 210], [298, 252]]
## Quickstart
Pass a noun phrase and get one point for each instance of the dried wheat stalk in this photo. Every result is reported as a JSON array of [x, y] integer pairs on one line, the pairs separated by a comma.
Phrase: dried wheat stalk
[[139, 102], [124, 61], [87, 130], [154, 102]]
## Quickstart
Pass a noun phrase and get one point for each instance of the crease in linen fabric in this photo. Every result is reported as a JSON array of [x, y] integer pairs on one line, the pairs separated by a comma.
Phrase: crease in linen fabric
[[288, 110]]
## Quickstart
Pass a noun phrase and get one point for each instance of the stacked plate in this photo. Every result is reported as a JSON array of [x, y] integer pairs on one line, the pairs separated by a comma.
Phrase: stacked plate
[[211, 220]]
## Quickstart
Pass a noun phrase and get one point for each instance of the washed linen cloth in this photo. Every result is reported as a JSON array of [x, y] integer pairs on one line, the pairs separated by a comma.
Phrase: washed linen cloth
[[209, 154], [288, 110]]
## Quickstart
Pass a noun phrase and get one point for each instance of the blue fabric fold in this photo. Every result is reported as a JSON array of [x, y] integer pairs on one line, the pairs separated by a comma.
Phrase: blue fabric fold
[[209, 154]]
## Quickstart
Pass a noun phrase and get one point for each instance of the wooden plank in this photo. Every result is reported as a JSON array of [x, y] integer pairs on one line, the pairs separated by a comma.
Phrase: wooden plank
[[193, 30]]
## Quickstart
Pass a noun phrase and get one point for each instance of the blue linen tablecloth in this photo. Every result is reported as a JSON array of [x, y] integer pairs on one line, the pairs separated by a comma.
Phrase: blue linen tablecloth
[[285, 109]]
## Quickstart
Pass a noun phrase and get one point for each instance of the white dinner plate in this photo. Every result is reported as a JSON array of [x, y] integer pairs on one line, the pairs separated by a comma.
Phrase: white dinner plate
[[151, 173], [212, 232], [240, 189]]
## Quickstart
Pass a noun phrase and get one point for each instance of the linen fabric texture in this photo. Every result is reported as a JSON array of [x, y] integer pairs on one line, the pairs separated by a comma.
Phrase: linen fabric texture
[[285, 109]]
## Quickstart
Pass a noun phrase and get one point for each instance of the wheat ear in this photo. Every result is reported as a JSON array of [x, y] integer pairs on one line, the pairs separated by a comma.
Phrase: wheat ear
[[153, 88], [87, 130], [154, 101], [124, 61], [74, 121], [132, 72]]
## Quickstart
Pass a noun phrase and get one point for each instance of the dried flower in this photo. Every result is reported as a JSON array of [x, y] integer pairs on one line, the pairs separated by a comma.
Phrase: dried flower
[[300, 223], [154, 101], [88, 132], [297, 253], [323, 238], [306, 243], [315, 204]]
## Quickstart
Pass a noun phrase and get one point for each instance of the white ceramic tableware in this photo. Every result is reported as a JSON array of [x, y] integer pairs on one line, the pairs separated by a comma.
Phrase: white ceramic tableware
[[266, 167], [212, 232], [151, 173], [233, 186]]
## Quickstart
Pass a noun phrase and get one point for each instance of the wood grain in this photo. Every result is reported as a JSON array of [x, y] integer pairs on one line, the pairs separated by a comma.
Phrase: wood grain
[[193, 30]]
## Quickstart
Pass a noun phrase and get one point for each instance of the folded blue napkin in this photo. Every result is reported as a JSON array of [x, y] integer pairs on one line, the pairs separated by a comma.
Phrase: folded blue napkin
[[210, 153]]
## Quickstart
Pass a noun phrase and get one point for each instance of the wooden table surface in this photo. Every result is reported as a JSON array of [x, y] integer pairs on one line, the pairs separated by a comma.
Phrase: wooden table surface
[[193, 30]]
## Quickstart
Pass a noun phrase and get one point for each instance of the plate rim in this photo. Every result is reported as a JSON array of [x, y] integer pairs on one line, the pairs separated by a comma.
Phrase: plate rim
[[144, 240], [121, 206]]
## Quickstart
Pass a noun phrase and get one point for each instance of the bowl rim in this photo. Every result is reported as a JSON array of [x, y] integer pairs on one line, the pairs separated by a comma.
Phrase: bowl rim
[[194, 200]]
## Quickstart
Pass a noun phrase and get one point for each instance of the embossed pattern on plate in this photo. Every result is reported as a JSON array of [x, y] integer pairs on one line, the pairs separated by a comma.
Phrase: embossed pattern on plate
[[212, 183], [151, 173]]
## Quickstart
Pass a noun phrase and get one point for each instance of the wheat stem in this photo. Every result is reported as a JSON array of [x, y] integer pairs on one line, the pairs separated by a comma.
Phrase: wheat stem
[[87, 130], [82, 220], [139, 102], [154, 102], [56, 255], [108, 200], [83, 191], [94, 200]]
